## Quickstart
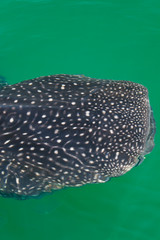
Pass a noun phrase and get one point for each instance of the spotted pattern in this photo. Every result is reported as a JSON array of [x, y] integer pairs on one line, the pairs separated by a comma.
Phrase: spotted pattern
[[69, 130]]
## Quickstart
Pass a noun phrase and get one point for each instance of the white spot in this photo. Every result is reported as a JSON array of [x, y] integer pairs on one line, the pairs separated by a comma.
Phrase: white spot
[[117, 154], [56, 131], [87, 113], [28, 113], [11, 120], [72, 148], [10, 146], [37, 174], [99, 139], [20, 149], [47, 136], [17, 180], [91, 161], [63, 87], [83, 154], [111, 131], [67, 135], [116, 116], [86, 169], [81, 134], [7, 141], [65, 159], [24, 133], [73, 103]]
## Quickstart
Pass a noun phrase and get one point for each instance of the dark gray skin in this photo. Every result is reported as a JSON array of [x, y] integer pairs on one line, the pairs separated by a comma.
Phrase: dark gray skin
[[69, 130]]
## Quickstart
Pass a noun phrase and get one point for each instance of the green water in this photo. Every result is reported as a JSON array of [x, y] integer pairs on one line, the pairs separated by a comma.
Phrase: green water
[[116, 39]]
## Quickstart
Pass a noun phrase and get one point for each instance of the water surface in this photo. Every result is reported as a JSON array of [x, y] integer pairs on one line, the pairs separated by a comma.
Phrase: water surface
[[101, 39]]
